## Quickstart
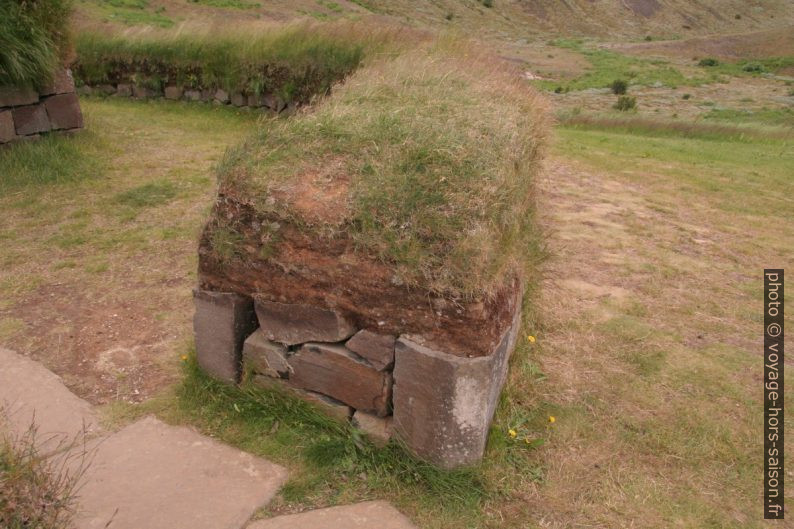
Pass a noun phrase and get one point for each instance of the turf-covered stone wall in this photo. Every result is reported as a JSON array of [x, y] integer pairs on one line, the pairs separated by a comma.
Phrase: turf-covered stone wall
[[26, 113], [370, 254]]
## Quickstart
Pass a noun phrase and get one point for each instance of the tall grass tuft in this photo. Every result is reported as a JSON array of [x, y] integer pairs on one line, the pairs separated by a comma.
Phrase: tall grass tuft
[[34, 39]]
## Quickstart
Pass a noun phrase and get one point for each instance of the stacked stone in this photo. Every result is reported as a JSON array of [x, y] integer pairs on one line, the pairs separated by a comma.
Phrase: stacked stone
[[177, 93], [26, 113], [439, 404]]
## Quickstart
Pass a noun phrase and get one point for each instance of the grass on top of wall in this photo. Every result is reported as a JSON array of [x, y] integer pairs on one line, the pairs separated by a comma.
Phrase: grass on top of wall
[[34, 39], [435, 152], [294, 61]]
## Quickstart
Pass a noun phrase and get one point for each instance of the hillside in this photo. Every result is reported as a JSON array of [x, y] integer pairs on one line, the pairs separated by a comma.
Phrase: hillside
[[504, 19]]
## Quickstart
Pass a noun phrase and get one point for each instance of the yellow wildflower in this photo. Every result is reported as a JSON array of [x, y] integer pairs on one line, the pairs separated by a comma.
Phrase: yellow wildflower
[[512, 433], [531, 339], [184, 358], [552, 418]]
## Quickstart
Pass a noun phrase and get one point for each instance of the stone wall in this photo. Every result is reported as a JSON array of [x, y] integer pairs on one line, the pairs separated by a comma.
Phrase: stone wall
[[439, 404], [216, 96], [26, 113]]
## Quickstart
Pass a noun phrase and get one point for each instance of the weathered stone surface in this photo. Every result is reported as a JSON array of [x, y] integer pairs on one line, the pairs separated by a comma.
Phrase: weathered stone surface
[[337, 372], [266, 357], [64, 111], [12, 96], [7, 130], [143, 92], [30, 393], [378, 429], [154, 476], [292, 324], [443, 404], [255, 100], [192, 95], [31, 119], [367, 515], [62, 83], [377, 349], [123, 90], [86, 90], [221, 96], [207, 94], [173, 92], [105, 89], [221, 324], [328, 405], [238, 99], [273, 102]]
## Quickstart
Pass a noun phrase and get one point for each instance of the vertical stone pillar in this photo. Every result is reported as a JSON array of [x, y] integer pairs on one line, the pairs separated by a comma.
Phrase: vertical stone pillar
[[221, 324]]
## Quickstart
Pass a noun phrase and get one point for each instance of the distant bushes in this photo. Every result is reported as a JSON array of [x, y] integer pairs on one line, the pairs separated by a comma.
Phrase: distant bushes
[[293, 62], [708, 62], [625, 103], [34, 39], [619, 87]]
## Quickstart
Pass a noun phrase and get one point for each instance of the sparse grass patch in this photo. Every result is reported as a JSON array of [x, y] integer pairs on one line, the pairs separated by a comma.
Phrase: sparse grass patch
[[147, 195], [53, 159]]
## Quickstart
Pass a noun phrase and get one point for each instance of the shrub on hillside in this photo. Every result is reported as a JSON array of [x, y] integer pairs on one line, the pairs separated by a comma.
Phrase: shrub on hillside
[[753, 67], [708, 62], [625, 103], [34, 39], [619, 86]]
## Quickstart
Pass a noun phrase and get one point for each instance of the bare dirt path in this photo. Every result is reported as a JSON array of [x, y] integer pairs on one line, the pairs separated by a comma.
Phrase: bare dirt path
[[97, 275]]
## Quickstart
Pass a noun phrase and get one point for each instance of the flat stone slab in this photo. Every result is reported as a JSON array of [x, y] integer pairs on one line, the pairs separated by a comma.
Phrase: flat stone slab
[[367, 515], [29, 392], [155, 476], [292, 324]]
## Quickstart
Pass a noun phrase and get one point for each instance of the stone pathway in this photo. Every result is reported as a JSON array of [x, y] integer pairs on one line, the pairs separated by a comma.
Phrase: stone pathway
[[153, 475]]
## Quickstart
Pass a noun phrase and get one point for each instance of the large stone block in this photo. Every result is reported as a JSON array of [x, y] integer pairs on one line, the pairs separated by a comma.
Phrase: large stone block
[[335, 371], [377, 349], [11, 96], [124, 90], [173, 92], [221, 96], [443, 404], [238, 99], [64, 111], [292, 324], [31, 119], [7, 130], [221, 324], [62, 83], [192, 95], [266, 357]]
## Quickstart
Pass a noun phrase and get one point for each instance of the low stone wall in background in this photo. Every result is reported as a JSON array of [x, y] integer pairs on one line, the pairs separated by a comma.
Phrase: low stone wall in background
[[439, 404], [26, 113], [216, 96]]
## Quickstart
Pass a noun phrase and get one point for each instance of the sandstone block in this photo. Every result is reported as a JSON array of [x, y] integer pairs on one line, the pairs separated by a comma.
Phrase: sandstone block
[[221, 96], [31, 119], [273, 102], [143, 92], [292, 324], [207, 94], [124, 90], [221, 324], [378, 429], [324, 403], [173, 92], [377, 349], [11, 96], [64, 111], [7, 130], [62, 83], [105, 89], [443, 404], [86, 90], [255, 101], [266, 357], [238, 99], [367, 515], [192, 95], [335, 371]]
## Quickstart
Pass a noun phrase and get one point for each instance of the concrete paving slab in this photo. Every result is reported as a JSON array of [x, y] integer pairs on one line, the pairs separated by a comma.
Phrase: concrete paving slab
[[29, 393], [367, 515], [155, 476]]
